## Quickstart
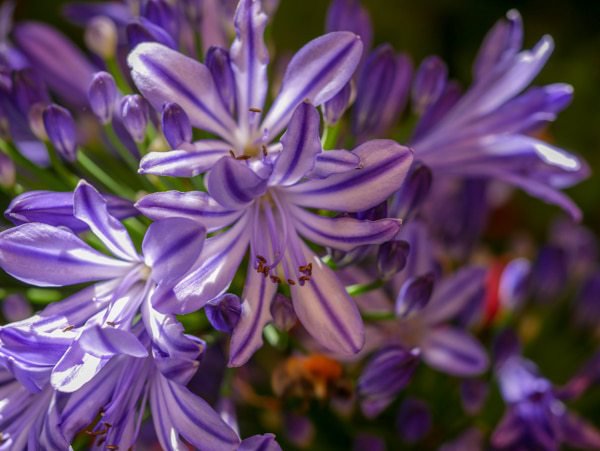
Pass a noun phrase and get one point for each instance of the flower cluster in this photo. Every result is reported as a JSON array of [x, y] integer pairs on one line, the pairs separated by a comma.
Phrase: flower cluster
[[169, 186]]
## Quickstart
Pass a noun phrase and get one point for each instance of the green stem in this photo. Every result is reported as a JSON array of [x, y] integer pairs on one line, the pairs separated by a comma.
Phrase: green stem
[[59, 167], [91, 167], [362, 288], [377, 316], [115, 70], [330, 135], [43, 175]]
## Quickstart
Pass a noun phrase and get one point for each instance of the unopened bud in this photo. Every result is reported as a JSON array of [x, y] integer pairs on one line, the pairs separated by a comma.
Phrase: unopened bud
[[135, 113], [282, 311], [176, 125], [224, 312], [102, 95], [391, 258], [36, 121], [61, 131], [101, 37]]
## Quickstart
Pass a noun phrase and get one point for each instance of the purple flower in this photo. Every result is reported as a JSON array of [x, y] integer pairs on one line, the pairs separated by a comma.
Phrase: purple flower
[[487, 131], [536, 418]]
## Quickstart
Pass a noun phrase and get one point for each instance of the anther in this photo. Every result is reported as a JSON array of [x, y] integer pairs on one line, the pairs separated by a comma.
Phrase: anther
[[111, 323], [264, 150], [68, 328], [291, 281], [112, 447], [255, 110], [275, 279], [232, 153], [261, 259], [303, 279]]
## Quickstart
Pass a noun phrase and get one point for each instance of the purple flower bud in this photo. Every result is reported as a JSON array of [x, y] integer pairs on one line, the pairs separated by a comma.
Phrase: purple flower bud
[[429, 83], [335, 108], [391, 258], [35, 118], [299, 430], [60, 128], [413, 192], [161, 14], [219, 64], [382, 92], [414, 420], [135, 113], [224, 312], [16, 308], [414, 295], [7, 171], [473, 394], [101, 36], [282, 311], [102, 96], [176, 125], [349, 15]]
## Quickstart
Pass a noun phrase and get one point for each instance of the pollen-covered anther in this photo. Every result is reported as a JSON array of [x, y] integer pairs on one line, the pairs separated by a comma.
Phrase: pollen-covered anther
[[275, 279], [111, 323], [111, 447], [255, 110], [306, 269], [291, 281], [68, 328], [303, 280], [264, 150]]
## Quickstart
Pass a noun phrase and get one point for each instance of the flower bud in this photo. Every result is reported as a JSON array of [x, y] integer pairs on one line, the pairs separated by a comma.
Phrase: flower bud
[[60, 128], [7, 171], [413, 192], [135, 113], [101, 37], [391, 258], [35, 117], [335, 108], [429, 83], [414, 295], [473, 393], [282, 311], [28, 89], [224, 312], [414, 420], [176, 125], [102, 95]]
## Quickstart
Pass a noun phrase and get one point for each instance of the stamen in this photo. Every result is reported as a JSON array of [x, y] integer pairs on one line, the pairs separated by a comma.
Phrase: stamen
[[68, 328], [275, 279], [264, 150], [291, 281], [254, 110], [303, 280], [111, 323], [111, 447]]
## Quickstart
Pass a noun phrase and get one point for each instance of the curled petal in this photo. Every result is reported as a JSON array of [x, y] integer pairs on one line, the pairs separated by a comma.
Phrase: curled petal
[[384, 165], [334, 162], [316, 73], [194, 205], [90, 207], [233, 184]]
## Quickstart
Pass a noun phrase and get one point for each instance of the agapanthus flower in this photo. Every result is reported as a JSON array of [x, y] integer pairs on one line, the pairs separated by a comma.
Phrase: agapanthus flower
[[106, 344], [424, 306], [536, 416]]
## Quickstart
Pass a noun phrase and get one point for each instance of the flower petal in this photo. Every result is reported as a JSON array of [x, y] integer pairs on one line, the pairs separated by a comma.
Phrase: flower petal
[[454, 293], [90, 207], [194, 205], [249, 58], [327, 312], [169, 254], [29, 250], [334, 162], [256, 313], [233, 184], [343, 233], [54, 208], [301, 144], [185, 163], [316, 73], [219, 261], [384, 166], [185, 414], [164, 75], [264, 442], [109, 341], [454, 352]]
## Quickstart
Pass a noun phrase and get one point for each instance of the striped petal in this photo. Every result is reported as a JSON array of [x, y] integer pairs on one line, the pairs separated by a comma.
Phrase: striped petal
[[249, 57], [343, 233], [164, 75], [169, 254], [233, 184], [109, 341], [256, 313], [178, 412], [185, 163], [90, 207], [301, 145], [454, 352], [219, 261], [54, 208], [334, 162], [28, 251], [194, 205], [327, 312], [316, 73], [384, 166]]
